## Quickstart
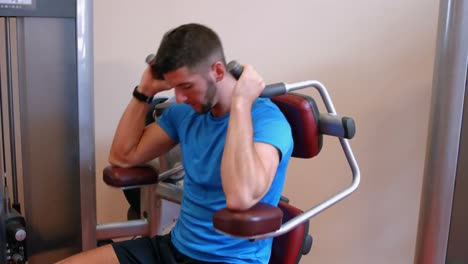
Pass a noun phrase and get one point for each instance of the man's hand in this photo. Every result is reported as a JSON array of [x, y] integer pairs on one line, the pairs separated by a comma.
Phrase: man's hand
[[150, 84], [249, 86]]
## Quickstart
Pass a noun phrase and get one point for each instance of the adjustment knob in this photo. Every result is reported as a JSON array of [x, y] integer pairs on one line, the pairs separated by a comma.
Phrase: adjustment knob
[[16, 230]]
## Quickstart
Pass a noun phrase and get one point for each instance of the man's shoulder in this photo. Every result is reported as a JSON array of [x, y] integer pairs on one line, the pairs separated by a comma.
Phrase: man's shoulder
[[180, 107], [264, 104], [265, 108], [178, 110], [175, 115]]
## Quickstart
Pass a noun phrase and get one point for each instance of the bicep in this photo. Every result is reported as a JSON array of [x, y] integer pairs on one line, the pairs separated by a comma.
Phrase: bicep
[[269, 157], [154, 142]]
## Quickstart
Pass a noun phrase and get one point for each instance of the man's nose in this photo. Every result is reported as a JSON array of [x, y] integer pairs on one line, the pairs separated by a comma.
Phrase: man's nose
[[180, 97]]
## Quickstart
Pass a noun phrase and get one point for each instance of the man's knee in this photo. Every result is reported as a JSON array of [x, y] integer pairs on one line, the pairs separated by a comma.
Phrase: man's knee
[[104, 254]]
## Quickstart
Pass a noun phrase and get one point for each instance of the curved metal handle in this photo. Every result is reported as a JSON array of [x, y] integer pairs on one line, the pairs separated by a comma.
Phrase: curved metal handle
[[356, 175]]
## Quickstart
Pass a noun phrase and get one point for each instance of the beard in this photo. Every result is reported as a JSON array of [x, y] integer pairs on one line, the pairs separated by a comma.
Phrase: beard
[[209, 98]]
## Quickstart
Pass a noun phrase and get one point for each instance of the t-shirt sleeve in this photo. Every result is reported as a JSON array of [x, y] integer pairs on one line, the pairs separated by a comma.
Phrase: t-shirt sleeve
[[168, 122], [271, 127]]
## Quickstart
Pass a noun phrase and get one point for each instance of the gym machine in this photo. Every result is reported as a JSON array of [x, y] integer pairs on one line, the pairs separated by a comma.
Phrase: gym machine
[[48, 208]]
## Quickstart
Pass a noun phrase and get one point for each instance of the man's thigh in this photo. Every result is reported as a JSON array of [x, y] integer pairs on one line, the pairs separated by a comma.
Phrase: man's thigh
[[158, 249], [145, 250], [104, 254]]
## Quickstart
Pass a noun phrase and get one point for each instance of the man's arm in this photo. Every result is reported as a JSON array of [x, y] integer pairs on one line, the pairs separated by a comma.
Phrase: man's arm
[[247, 168], [134, 143]]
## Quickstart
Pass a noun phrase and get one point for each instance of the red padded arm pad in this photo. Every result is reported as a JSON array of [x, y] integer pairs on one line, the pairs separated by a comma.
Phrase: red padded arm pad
[[260, 219], [126, 177], [302, 114]]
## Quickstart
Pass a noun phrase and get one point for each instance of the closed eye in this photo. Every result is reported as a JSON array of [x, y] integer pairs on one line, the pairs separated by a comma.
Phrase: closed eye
[[184, 86]]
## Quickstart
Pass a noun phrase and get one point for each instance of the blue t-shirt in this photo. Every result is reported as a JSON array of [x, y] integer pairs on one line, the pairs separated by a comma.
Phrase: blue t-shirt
[[202, 138]]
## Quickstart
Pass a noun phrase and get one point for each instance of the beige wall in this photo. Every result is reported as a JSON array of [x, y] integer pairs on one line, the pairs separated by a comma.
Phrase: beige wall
[[376, 59]]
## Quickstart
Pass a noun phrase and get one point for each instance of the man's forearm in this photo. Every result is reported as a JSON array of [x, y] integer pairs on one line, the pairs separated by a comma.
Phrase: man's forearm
[[128, 133]]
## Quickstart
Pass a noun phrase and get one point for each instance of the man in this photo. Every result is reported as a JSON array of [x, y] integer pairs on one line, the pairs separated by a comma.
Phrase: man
[[235, 148]]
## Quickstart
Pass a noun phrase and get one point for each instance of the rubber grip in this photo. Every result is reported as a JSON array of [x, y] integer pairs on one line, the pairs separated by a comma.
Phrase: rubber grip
[[271, 90], [151, 61], [335, 125], [235, 68]]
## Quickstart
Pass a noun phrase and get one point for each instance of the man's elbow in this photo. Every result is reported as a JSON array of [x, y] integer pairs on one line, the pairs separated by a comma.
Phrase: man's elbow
[[240, 202], [119, 160]]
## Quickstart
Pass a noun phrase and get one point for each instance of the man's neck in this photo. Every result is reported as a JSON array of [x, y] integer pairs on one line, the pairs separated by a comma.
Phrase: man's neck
[[224, 95]]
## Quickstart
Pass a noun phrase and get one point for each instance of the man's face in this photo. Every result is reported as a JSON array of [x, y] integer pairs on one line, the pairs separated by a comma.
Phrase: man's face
[[195, 89]]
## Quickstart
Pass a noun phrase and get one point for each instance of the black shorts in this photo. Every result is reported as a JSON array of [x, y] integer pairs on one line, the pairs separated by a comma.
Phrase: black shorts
[[158, 249]]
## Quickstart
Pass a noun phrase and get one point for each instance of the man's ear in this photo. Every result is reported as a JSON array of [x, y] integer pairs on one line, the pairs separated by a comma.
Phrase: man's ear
[[218, 70]]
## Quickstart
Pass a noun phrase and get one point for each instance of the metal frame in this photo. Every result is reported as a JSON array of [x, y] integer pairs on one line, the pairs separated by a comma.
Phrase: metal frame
[[2, 208], [2, 163], [448, 92], [84, 38], [11, 110]]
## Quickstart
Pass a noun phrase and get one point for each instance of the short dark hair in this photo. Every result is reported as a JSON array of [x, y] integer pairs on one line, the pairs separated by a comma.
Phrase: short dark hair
[[188, 45]]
